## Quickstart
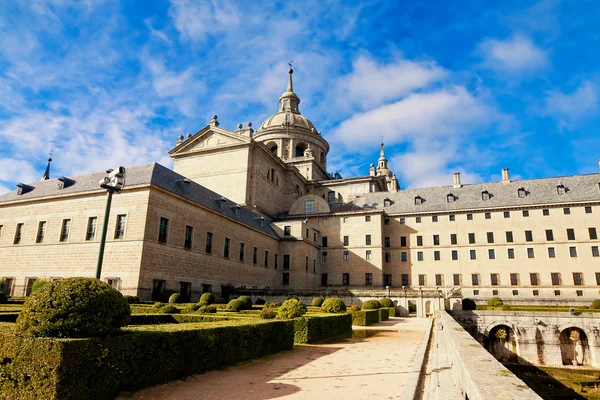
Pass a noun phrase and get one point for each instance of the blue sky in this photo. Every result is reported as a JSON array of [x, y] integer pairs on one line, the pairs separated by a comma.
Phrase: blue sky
[[465, 86]]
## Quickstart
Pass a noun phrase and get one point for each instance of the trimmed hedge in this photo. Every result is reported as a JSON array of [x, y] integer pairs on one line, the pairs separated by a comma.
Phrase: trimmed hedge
[[365, 317], [310, 329], [384, 314], [99, 368], [391, 311], [371, 305]]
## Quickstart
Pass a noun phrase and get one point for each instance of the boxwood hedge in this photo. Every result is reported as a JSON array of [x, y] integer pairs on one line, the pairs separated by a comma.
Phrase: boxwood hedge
[[310, 329], [384, 314], [365, 317]]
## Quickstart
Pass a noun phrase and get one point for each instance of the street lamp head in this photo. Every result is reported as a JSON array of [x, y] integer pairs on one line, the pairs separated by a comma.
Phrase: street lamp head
[[114, 180]]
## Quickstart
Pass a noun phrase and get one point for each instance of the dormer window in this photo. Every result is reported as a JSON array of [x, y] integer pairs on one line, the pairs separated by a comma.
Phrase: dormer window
[[485, 195], [387, 202], [522, 193], [418, 201], [561, 189], [450, 198]]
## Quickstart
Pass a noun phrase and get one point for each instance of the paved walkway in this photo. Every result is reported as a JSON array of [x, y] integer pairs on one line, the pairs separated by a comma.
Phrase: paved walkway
[[373, 367]]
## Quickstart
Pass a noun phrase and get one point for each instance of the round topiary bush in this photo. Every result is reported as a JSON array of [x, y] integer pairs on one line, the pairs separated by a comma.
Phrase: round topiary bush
[[468, 304], [208, 298], [371, 305], [3, 298], [317, 301], [38, 284], [169, 309], [595, 305], [73, 307], [245, 300], [333, 305], [220, 300], [291, 309], [174, 298], [132, 299], [207, 310], [385, 302], [235, 305], [268, 313], [495, 302]]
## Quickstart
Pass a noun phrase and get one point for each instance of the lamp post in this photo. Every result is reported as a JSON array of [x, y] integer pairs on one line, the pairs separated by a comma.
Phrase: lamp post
[[113, 182]]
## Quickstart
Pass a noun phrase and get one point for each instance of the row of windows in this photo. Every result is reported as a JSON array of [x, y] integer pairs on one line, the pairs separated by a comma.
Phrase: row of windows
[[514, 279], [534, 292]]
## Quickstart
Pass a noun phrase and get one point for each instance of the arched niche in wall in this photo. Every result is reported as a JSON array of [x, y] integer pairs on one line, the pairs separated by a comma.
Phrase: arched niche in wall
[[309, 204]]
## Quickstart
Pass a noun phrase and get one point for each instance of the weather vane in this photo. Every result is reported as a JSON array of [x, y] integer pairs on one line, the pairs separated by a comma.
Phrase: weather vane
[[290, 63], [51, 150]]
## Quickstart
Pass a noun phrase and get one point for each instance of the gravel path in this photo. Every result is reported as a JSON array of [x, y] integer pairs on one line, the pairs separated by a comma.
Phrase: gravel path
[[372, 367]]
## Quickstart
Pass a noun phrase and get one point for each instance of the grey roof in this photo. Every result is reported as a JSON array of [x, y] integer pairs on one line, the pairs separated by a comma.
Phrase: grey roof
[[156, 175], [579, 189]]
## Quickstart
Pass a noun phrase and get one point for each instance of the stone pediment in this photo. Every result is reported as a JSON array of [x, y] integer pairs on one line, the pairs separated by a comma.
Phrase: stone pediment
[[208, 139]]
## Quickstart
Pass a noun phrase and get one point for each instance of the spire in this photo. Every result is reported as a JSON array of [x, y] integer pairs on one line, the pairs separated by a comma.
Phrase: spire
[[290, 87], [382, 152], [382, 162], [288, 102], [47, 173]]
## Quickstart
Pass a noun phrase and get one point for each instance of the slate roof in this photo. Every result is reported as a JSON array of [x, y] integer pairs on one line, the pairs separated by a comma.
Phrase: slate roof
[[156, 175], [579, 189]]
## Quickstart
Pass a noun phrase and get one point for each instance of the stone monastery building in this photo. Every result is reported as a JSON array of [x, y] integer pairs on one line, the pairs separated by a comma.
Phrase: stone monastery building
[[271, 217]]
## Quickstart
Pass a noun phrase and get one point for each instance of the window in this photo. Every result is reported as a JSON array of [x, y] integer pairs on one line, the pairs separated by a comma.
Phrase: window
[[404, 256], [557, 292], [488, 215], [346, 240], [387, 202], [307, 232], [453, 239], [494, 279], [242, 249], [209, 241], [534, 279], [330, 197], [419, 256], [346, 255], [306, 265], [545, 212], [566, 211], [511, 253], [324, 241], [473, 254], [579, 293], [577, 278], [551, 252], [387, 279], [368, 255], [560, 189], [549, 235], [454, 255], [276, 261], [495, 292], [386, 221], [387, 242], [525, 213], [422, 280], [309, 207], [514, 279], [528, 236], [515, 292], [588, 210], [367, 218], [419, 240], [434, 218], [506, 214], [418, 220], [90, 233], [285, 278], [368, 278], [436, 255], [521, 192], [555, 276], [598, 278], [491, 254], [185, 290], [593, 233], [471, 238], [573, 251], [509, 237], [402, 220], [226, 243], [475, 279], [345, 279], [40, 232], [450, 198], [469, 217], [439, 279], [158, 289], [436, 240], [595, 252], [162, 230], [324, 256], [286, 262], [64, 231], [120, 228], [530, 252], [490, 237], [418, 201], [314, 266], [404, 279], [485, 195], [287, 230], [402, 241], [255, 255], [323, 279], [188, 237], [388, 257], [367, 240], [456, 279]]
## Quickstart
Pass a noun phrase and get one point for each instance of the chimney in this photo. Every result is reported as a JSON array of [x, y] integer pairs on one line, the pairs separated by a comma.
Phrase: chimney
[[505, 177], [457, 184]]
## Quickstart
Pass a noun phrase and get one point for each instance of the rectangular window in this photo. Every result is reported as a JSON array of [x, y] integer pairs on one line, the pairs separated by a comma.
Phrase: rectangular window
[[595, 252], [597, 278], [367, 240], [530, 253], [439, 279], [549, 235], [368, 279], [573, 251], [494, 279], [346, 255], [495, 292], [41, 232], [422, 280], [418, 220], [509, 237], [120, 228], [579, 293], [387, 279], [402, 241], [309, 207], [469, 217], [488, 215], [491, 254], [346, 240], [534, 279], [185, 290], [555, 276], [514, 279], [454, 255], [330, 197], [593, 233], [577, 278], [242, 250], [404, 256], [475, 279], [387, 242], [323, 279], [367, 218], [368, 255], [324, 241], [404, 279], [255, 255], [456, 279], [189, 231], [90, 233], [386, 221], [536, 292], [436, 240], [526, 213], [306, 265], [506, 214], [345, 279], [388, 257], [471, 238], [162, 230], [314, 266], [324, 256], [419, 240], [557, 293], [551, 252], [226, 244], [490, 237], [286, 262], [419, 256], [545, 212], [515, 292], [209, 243], [588, 210], [287, 230], [528, 236], [451, 217], [276, 261], [285, 278], [566, 211], [402, 220], [453, 238], [473, 254], [434, 218], [64, 231], [436, 255], [511, 253]]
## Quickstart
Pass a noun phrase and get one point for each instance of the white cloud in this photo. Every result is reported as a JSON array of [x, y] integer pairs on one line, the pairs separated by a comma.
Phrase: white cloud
[[15, 170], [196, 19], [517, 54], [571, 108], [4, 189]]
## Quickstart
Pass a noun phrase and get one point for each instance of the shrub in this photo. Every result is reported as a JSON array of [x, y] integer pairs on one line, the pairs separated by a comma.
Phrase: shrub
[[371, 305], [268, 313], [310, 329], [208, 298], [235, 305], [73, 307], [468, 304], [384, 314], [595, 305], [317, 301], [247, 303], [260, 301], [158, 304], [220, 300], [495, 302], [38, 284], [3, 298], [190, 309], [365, 317], [175, 298], [291, 309], [203, 303], [132, 299], [505, 307], [169, 309], [385, 302], [207, 310], [272, 304], [333, 305]]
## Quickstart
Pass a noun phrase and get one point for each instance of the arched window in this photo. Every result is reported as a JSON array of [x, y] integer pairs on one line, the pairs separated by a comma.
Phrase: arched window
[[300, 147]]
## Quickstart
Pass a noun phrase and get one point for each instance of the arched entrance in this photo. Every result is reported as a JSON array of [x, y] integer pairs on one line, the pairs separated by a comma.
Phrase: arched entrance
[[574, 348], [502, 343], [299, 151]]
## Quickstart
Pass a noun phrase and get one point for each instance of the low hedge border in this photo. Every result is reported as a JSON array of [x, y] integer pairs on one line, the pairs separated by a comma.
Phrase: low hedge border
[[314, 328], [141, 356], [384, 314], [365, 317]]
